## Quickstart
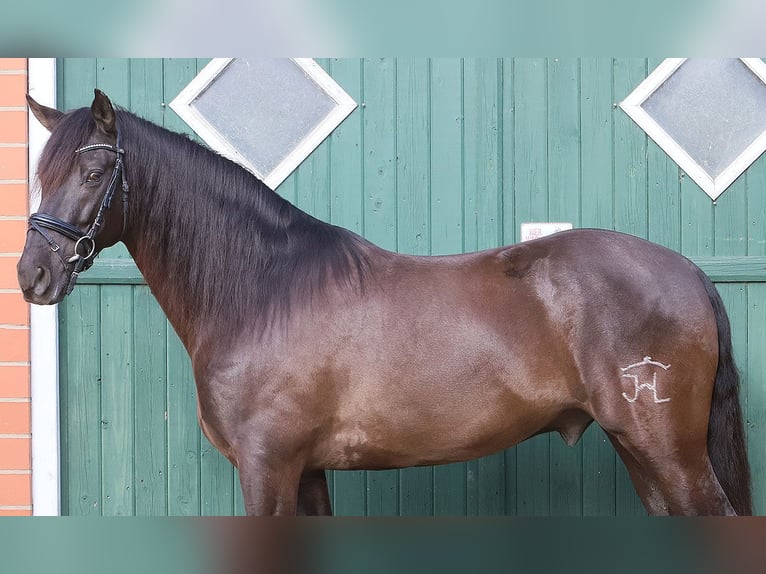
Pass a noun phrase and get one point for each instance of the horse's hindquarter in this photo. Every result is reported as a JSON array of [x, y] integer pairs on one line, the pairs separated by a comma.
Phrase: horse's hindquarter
[[640, 327]]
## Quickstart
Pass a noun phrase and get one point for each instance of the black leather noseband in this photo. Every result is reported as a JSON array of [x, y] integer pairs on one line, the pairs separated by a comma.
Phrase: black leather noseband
[[85, 243]]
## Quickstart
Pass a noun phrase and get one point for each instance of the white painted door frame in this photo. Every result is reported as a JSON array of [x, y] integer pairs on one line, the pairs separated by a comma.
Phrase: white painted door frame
[[46, 473]]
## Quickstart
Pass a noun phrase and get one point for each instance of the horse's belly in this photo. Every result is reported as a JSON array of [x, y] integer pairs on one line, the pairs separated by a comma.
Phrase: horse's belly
[[412, 437]]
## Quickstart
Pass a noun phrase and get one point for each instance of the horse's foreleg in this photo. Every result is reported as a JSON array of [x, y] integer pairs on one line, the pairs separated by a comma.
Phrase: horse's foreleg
[[313, 495], [269, 488]]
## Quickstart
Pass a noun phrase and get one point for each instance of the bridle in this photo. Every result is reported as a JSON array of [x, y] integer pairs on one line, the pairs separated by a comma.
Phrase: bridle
[[85, 243]]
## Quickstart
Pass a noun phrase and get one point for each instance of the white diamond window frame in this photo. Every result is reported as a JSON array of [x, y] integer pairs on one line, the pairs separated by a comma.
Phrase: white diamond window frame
[[182, 105], [712, 186]]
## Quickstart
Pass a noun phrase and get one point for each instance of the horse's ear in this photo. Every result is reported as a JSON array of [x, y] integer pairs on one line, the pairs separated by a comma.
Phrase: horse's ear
[[103, 113], [48, 117]]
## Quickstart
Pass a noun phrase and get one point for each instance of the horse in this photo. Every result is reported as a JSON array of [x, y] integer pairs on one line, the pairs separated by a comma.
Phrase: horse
[[313, 349]]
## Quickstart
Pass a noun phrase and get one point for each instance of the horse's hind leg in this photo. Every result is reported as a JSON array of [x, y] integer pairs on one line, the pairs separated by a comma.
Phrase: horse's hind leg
[[681, 483], [653, 500], [664, 447], [660, 432], [313, 495]]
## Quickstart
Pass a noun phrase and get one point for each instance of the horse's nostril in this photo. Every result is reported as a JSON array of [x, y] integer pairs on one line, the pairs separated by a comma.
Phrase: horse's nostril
[[41, 281]]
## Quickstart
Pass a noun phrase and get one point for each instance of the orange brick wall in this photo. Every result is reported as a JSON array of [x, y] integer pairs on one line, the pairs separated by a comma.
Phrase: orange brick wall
[[15, 425]]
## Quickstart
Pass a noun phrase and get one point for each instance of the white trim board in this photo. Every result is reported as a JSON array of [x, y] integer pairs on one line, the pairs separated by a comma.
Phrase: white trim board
[[46, 472], [182, 105], [713, 187]]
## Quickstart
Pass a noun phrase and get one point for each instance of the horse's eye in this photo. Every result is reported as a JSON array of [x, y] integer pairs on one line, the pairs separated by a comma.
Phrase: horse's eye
[[93, 177]]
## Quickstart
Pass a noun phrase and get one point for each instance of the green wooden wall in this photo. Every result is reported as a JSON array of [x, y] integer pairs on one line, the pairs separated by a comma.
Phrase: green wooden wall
[[441, 156]]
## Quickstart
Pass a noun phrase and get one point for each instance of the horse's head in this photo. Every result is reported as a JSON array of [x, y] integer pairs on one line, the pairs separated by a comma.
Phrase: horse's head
[[83, 199]]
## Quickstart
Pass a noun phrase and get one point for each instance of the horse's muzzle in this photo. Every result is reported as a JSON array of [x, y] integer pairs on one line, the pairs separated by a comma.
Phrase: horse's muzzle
[[37, 285]]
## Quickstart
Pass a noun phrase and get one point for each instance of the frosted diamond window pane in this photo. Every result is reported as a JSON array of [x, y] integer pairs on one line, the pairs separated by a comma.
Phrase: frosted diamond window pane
[[268, 114], [709, 115], [263, 124], [712, 108]]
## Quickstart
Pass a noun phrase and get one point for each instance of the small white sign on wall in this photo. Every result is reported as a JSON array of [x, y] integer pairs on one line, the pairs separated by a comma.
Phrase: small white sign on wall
[[537, 230]]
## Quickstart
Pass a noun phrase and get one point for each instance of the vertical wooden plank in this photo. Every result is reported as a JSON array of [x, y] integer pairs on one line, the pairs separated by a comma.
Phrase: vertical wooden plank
[[349, 488], [630, 212], [416, 491], [79, 326], [508, 150], [596, 134], [756, 392], [482, 165], [77, 82], [380, 216], [754, 385], [597, 204], [312, 183], [64, 422], [113, 77], [412, 156], [446, 156], [413, 233], [350, 493], [81, 390], [566, 489], [380, 152], [176, 74], [446, 175], [146, 88], [216, 481], [184, 437], [630, 208], [664, 217], [664, 192], [183, 432], [697, 213], [216, 474], [150, 334], [509, 233], [599, 474], [117, 416], [531, 140], [697, 219], [346, 151], [564, 140], [150, 391], [531, 201], [313, 178], [755, 181], [482, 81], [735, 299], [731, 220]]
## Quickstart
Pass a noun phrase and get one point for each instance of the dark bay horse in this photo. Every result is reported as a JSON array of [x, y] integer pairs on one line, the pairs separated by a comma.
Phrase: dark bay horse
[[314, 349]]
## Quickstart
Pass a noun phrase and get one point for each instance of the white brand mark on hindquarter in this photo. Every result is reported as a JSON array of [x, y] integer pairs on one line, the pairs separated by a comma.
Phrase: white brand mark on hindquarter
[[638, 385]]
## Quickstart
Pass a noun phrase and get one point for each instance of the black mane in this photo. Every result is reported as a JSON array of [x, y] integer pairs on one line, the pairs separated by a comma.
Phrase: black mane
[[230, 248]]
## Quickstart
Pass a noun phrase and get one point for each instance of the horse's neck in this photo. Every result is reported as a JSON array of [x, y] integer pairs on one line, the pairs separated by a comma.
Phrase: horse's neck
[[196, 271], [172, 268]]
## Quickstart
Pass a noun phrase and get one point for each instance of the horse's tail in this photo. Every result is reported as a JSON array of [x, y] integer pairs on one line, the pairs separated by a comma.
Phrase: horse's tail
[[726, 433]]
